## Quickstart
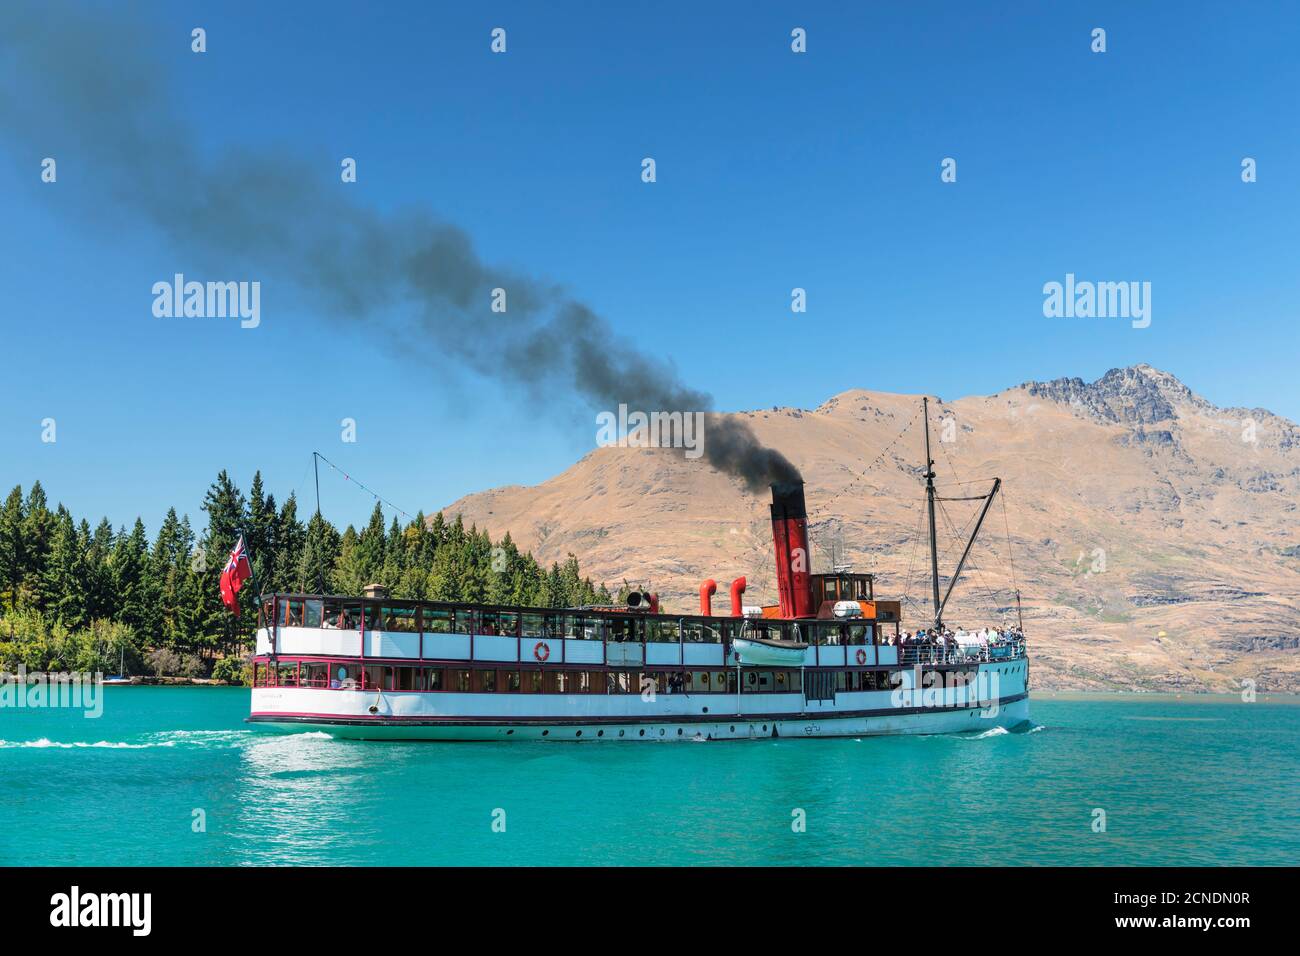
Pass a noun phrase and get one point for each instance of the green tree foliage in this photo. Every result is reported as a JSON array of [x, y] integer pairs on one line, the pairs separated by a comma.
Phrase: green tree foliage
[[82, 599]]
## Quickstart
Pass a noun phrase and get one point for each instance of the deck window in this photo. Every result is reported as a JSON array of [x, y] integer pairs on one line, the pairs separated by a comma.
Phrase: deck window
[[437, 620], [498, 623], [315, 674], [579, 628], [532, 682], [434, 679], [511, 682], [546, 626], [291, 612], [458, 680], [486, 681], [340, 615], [622, 682], [313, 611], [408, 678], [824, 633], [401, 619], [663, 631]]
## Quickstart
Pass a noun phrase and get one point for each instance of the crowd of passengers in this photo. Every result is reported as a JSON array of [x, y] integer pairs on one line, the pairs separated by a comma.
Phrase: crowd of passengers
[[949, 638]]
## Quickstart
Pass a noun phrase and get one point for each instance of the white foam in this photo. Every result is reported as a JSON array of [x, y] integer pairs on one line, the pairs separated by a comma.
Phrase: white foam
[[45, 742]]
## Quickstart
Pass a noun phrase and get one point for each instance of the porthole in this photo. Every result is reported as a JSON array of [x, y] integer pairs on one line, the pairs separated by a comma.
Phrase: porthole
[[642, 733], [661, 731], [679, 731], [620, 733], [545, 732], [578, 734], [600, 733], [733, 728], [509, 732], [706, 710], [765, 728]]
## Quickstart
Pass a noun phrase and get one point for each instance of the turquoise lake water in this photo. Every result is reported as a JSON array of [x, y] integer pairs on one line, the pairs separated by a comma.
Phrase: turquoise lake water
[[1181, 782]]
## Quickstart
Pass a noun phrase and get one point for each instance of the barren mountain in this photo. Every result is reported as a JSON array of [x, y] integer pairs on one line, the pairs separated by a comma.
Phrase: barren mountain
[[1153, 537]]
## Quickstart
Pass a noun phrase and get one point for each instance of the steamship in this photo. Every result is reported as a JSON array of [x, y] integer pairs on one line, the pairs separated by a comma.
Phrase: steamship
[[828, 660]]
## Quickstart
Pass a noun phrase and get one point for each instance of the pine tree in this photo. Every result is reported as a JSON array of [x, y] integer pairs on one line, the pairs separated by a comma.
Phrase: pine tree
[[290, 539], [13, 553], [130, 578], [261, 533], [98, 548], [314, 570], [168, 562], [349, 575], [65, 573], [37, 525]]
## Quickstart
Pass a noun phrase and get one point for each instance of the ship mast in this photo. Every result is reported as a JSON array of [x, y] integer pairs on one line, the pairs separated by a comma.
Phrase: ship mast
[[929, 497]]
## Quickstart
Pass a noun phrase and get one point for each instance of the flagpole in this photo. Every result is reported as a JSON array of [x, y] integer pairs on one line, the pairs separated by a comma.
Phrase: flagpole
[[252, 579]]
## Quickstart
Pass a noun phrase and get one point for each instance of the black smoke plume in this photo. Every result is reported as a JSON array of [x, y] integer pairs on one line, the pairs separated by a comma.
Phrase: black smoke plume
[[89, 88]]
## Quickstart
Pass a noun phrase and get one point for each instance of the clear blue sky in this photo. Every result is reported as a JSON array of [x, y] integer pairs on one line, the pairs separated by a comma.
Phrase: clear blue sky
[[775, 170]]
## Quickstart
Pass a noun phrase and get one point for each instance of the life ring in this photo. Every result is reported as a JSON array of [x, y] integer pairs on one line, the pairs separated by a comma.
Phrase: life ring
[[862, 655], [541, 651]]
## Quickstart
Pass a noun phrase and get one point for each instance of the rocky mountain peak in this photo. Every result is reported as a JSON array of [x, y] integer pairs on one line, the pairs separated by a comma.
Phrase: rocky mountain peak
[[1137, 395]]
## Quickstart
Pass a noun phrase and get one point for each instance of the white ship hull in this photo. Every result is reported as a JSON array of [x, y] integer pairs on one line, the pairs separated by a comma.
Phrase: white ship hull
[[393, 715]]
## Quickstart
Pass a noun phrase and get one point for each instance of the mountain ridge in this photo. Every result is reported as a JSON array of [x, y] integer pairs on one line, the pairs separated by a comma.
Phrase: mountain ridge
[[1152, 535]]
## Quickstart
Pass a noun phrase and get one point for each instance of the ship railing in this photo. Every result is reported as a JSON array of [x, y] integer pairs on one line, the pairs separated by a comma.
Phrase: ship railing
[[962, 653]]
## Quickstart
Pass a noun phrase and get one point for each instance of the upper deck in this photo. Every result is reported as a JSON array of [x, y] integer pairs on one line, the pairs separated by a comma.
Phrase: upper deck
[[333, 626]]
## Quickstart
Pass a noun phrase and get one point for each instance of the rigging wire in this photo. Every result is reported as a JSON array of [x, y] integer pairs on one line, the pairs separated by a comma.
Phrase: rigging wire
[[875, 461], [363, 487]]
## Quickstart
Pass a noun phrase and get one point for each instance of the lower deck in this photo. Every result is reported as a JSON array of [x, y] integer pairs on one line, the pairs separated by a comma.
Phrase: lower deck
[[466, 704]]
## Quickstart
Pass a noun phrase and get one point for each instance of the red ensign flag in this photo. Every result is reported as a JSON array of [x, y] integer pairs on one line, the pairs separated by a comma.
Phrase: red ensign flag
[[236, 572]]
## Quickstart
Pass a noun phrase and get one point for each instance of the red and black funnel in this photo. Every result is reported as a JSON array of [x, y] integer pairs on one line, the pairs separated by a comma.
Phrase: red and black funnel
[[793, 559]]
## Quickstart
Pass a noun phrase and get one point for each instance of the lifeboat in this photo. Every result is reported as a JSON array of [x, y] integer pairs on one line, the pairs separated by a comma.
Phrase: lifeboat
[[761, 652]]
